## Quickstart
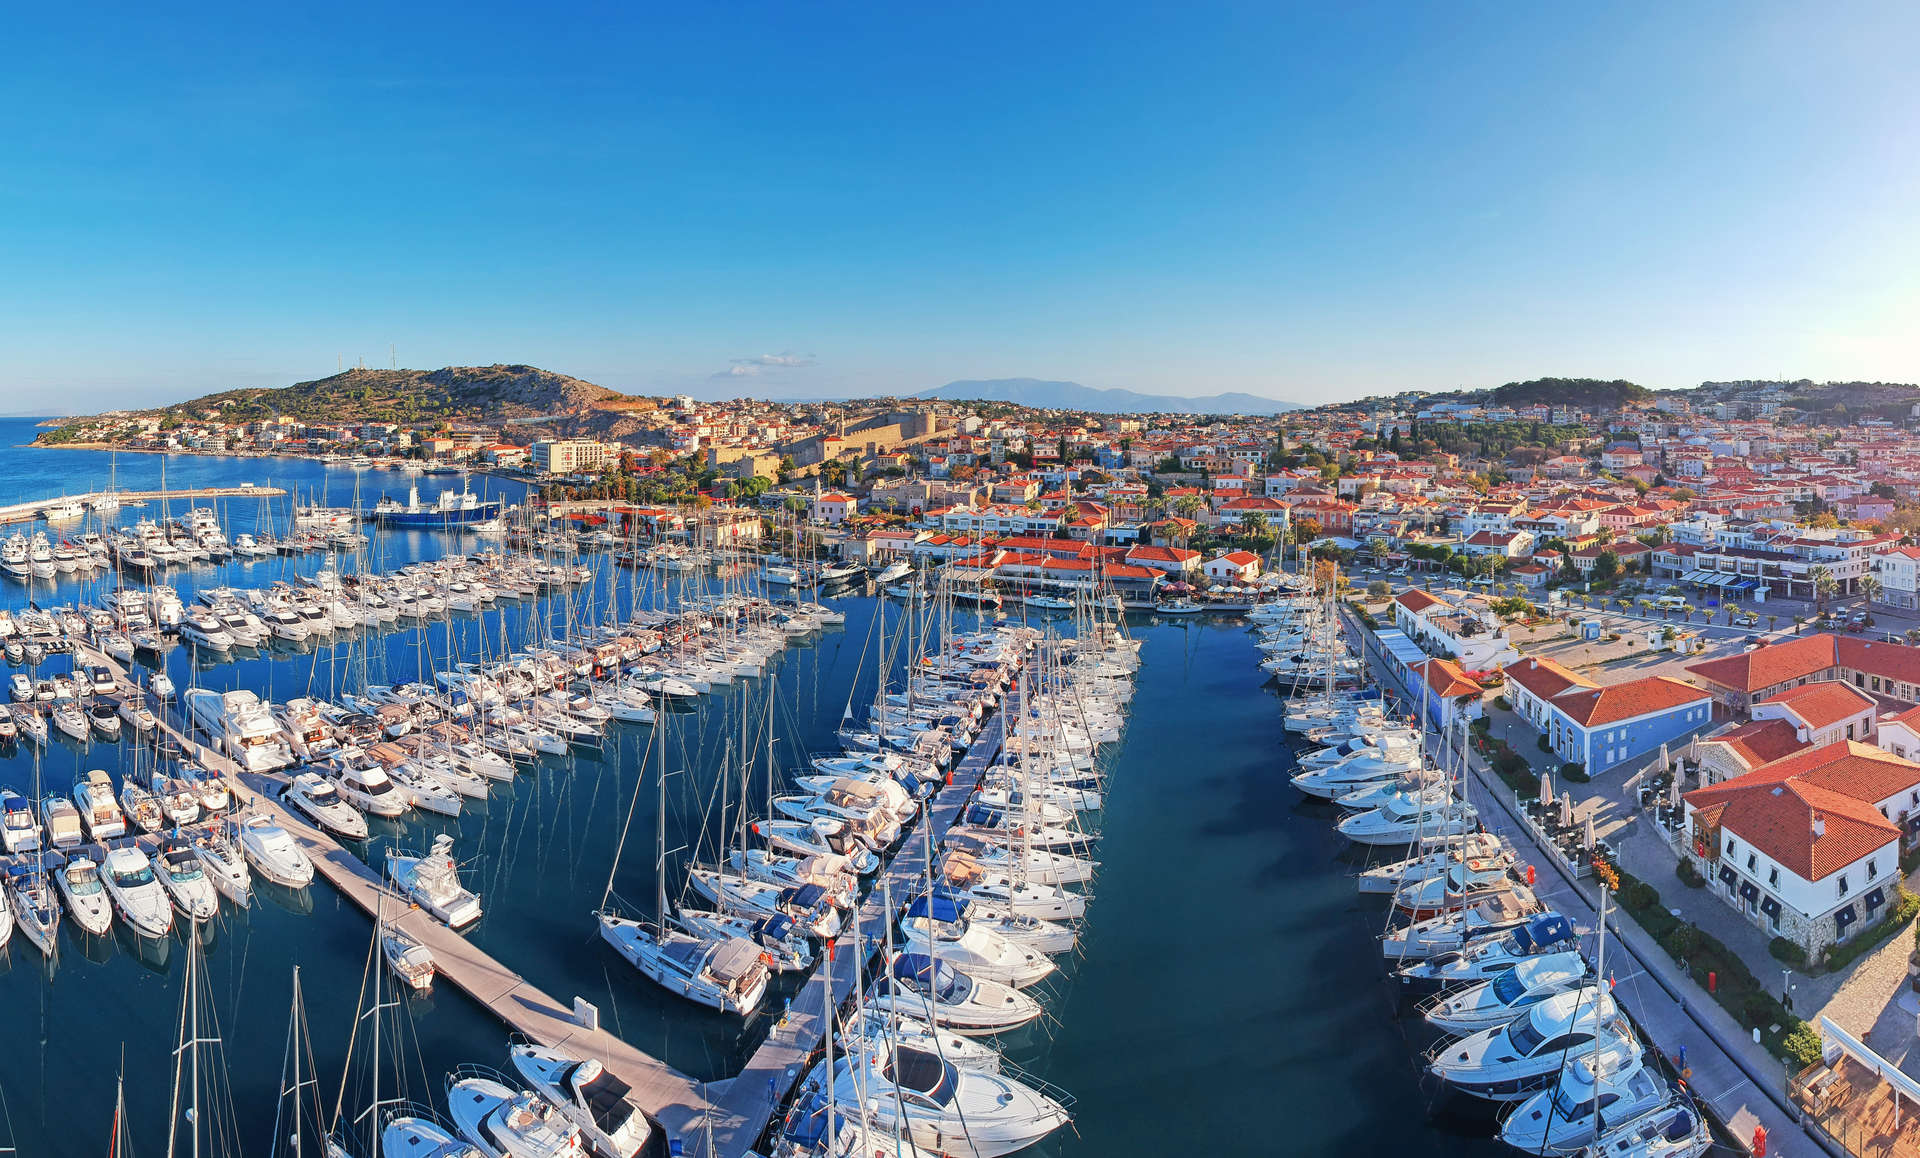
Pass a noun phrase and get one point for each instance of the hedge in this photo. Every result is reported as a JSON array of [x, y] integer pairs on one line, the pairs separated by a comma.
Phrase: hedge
[[1736, 988], [1906, 904]]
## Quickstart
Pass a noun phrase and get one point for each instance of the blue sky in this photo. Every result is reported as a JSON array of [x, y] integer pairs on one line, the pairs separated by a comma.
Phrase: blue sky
[[791, 199]]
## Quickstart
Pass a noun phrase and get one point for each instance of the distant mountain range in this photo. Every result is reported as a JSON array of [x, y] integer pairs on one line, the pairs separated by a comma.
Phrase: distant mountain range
[[1047, 395]]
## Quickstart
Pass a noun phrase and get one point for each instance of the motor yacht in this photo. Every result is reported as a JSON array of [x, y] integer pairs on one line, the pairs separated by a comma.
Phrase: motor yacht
[[1592, 1095], [721, 973], [505, 1123], [1508, 995], [591, 1097], [916, 985], [179, 803], [93, 798], [939, 926], [1437, 858], [997, 893], [1462, 884], [939, 1106], [138, 896], [274, 854], [433, 882], [819, 836], [363, 783], [1507, 1063], [182, 875], [68, 717], [241, 726], [61, 821], [19, 831], [1451, 932], [1537, 936], [314, 797], [1408, 818], [224, 861], [86, 897]]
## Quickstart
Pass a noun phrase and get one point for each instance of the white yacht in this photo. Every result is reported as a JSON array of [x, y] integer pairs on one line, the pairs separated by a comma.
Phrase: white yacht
[[1509, 994], [313, 796], [1506, 1063], [224, 861], [274, 854], [1408, 818], [1676, 1129], [941, 1107], [585, 1092], [1431, 862], [137, 894], [1539, 935], [433, 882], [185, 880], [1593, 1095], [722, 973], [87, 900], [363, 783], [93, 796], [62, 822], [505, 1123], [19, 831], [916, 985], [939, 926], [243, 727]]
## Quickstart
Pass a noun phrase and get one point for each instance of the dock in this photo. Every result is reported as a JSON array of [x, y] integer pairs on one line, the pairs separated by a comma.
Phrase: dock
[[729, 1115], [746, 1102], [28, 512]]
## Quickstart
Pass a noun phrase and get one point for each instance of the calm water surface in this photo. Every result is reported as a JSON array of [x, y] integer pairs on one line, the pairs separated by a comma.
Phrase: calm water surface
[[1228, 997]]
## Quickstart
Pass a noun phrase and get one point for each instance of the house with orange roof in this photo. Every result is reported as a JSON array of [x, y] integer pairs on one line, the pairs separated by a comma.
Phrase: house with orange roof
[[1807, 846], [834, 508], [1602, 726], [1233, 567], [1822, 713], [1465, 632], [1449, 695], [1876, 667]]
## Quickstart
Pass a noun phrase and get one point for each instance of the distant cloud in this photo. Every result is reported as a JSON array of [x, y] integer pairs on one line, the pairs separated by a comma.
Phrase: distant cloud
[[751, 367]]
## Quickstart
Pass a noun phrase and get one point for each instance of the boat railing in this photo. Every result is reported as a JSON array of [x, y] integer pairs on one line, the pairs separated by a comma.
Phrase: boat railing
[[487, 1073], [1026, 1078]]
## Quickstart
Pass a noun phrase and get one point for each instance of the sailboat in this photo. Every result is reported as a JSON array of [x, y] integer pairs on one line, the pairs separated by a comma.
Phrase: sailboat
[[721, 972]]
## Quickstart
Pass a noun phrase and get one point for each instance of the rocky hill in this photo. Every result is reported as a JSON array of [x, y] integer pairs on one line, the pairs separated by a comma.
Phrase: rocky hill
[[484, 393]]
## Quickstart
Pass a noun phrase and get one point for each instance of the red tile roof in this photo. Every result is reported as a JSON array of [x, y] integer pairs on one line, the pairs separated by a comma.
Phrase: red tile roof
[[1774, 807], [1824, 704], [1594, 707], [1446, 679], [1762, 741], [1794, 659], [1416, 600], [1545, 678]]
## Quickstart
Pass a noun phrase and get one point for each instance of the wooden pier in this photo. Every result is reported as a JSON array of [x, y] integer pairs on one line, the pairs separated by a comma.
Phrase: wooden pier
[[676, 1100], [722, 1118], [28, 512]]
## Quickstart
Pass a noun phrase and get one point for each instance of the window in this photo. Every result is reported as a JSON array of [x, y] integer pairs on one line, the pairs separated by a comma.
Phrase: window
[[1872, 871], [1773, 878], [1750, 864], [1731, 845], [1843, 884]]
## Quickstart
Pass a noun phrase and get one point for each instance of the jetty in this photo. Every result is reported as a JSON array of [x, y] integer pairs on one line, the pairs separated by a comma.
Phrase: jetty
[[30, 511], [728, 1116]]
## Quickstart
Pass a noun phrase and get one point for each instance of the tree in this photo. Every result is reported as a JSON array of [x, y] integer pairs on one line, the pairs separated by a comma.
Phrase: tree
[[1606, 566], [1306, 530], [1824, 585], [1870, 587], [1772, 622]]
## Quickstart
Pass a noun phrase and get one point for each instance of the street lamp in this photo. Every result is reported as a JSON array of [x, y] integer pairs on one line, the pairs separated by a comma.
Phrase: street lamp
[[1786, 989]]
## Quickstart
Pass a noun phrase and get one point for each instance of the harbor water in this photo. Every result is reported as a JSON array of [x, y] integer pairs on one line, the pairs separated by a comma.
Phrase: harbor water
[[1228, 997]]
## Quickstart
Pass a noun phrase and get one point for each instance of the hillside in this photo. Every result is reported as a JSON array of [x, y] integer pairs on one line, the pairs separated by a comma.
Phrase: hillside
[[1592, 393], [1046, 395], [480, 392]]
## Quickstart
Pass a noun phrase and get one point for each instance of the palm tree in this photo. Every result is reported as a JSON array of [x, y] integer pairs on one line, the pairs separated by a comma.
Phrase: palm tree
[[1772, 621], [1799, 621], [1870, 587], [1824, 585], [1644, 604], [1623, 604]]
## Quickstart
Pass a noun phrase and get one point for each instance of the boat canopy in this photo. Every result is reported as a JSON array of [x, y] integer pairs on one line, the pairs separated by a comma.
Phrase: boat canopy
[[1545, 929], [942, 907], [733, 959], [803, 896]]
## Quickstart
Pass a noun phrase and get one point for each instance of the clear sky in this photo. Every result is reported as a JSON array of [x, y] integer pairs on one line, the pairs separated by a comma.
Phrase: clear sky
[[806, 198]]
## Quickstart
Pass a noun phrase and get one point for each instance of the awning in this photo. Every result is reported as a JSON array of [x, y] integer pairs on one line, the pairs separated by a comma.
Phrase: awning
[[1845, 917], [1770, 907], [1876, 898], [1749, 891], [1726, 874]]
